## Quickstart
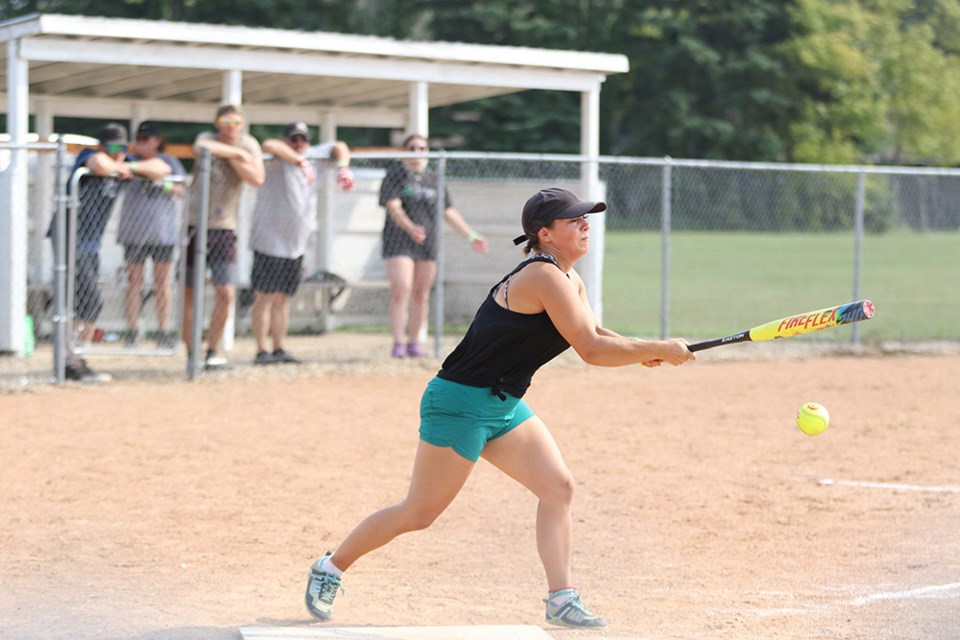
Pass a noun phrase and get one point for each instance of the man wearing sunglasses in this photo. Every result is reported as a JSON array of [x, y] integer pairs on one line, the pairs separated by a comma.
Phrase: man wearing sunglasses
[[236, 160], [283, 219], [110, 168]]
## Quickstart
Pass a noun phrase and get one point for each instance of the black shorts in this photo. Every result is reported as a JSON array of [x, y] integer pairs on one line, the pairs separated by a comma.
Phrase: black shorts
[[276, 275], [138, 253], [396, 242], [221, 256]]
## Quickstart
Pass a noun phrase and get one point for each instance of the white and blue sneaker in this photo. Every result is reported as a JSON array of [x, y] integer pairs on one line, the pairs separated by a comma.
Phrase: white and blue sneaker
[[570, 611], [321, 590]]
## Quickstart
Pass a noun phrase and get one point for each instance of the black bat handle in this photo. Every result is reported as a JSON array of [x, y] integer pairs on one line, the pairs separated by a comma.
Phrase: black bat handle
[[743, 336]]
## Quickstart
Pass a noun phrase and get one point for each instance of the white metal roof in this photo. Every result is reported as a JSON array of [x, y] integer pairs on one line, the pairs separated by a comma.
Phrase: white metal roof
[[104, 67]]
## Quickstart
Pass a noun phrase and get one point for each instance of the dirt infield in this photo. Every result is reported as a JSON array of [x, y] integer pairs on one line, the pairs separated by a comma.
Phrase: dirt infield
[[160, 509]]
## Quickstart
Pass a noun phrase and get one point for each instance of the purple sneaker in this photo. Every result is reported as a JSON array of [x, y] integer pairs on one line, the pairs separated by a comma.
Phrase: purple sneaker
[[414, 351], [399, 351]]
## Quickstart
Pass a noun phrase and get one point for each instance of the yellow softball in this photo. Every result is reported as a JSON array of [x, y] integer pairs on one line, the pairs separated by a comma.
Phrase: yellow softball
[[813, 418]]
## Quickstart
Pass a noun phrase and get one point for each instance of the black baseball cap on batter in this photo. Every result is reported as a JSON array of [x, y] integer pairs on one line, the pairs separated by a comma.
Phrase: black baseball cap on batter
[[553, 203], [297, 129]]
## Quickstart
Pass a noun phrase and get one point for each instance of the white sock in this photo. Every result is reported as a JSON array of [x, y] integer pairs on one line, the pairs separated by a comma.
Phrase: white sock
[[327, 566]]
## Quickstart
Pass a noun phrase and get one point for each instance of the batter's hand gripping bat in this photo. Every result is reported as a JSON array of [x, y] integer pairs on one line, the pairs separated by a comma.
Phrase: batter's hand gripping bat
[[796, 325]]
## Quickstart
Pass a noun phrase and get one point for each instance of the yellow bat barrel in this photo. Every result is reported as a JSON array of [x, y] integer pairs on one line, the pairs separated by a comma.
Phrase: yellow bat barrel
[[814, 321]]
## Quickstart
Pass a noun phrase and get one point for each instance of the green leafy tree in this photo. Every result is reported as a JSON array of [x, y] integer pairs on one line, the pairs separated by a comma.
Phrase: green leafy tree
[[874, 81], [145, 9], [533, 121], [918, 71], [839, 103], [825, 81], [705, 80]]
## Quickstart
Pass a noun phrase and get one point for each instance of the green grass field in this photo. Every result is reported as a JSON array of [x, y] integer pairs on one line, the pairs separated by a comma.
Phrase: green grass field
[[721, 283]]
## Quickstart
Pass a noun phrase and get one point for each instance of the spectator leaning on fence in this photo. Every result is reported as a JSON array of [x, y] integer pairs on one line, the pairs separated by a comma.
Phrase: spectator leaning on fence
[[283, 219], [410, 239], [149, 229], [236, 159], [109, 168]]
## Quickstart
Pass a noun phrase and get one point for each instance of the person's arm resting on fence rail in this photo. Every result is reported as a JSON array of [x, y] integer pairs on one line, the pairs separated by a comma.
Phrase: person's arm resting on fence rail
[[247, 166], [102, 163]]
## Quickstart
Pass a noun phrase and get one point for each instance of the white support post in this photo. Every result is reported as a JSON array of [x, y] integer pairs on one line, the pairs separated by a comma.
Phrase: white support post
[[13, 212], [139, 112], [591, 269], [41, 267], [420, 125], [232, 93], [328, 133], [327, 227], [419, 116]]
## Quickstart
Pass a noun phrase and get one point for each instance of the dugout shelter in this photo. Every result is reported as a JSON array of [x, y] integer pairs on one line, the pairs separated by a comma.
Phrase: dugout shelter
[[134, 70]]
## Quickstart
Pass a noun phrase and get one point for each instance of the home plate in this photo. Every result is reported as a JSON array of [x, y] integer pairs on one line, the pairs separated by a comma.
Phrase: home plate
[[482, 632]]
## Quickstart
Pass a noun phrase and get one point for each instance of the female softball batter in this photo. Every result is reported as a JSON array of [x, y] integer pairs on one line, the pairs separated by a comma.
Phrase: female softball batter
[[474, 406]]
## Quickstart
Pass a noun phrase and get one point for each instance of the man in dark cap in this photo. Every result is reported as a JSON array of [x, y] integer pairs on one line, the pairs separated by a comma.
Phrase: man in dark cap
[[109, 168]]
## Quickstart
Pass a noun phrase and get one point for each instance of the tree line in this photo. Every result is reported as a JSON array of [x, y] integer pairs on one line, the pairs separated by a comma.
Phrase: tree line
[[818, 81]]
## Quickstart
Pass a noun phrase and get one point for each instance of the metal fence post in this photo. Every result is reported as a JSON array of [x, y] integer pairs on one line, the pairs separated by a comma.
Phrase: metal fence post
[[60, 268], [441, 271], [70, 235], [666, 204], [199, 264], [858, 246]]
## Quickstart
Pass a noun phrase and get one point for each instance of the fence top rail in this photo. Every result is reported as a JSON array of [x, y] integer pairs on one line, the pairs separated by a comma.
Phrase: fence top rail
[[84, 171], [472, 155], [623, 160], [30, 146], [786, 166], [663, 161]]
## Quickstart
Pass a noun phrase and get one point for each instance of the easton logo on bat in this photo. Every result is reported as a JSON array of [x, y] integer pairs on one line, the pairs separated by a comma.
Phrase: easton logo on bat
[[736, 338]]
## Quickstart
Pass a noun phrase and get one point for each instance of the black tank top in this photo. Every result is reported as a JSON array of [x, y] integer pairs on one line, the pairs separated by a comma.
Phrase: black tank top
[[503, 349]]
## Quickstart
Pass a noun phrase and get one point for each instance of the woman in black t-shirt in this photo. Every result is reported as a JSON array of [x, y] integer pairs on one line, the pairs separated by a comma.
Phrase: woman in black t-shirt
[[409, 192]]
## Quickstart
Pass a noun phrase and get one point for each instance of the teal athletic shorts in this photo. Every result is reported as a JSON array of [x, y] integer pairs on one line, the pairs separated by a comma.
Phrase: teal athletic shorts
[[466, 418]]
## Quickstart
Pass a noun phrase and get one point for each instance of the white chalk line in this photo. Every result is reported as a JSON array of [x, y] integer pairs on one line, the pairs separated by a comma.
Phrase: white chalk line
[[932, 591], [940, 591], [893, 486]]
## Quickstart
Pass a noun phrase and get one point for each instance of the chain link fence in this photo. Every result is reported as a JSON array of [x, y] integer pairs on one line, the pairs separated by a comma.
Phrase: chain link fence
[[701, 249], [691, 248], [126, 292]]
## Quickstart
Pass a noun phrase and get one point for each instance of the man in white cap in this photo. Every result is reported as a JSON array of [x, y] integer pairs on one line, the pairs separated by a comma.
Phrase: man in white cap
[[283, 219]]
